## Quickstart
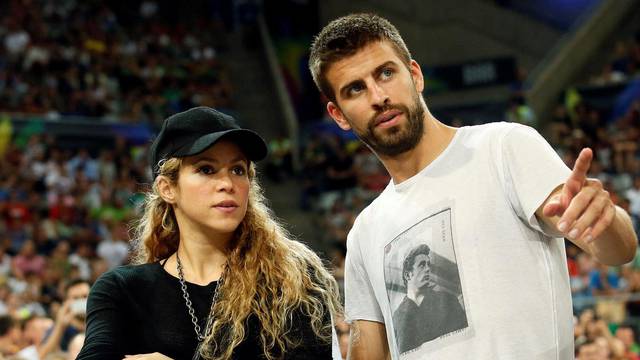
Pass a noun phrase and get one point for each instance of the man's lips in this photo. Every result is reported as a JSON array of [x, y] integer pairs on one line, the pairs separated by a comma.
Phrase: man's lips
[[387, 118]]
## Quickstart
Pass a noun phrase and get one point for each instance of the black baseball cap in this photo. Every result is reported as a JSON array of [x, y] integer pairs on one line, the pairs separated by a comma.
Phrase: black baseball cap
[[195, 130]]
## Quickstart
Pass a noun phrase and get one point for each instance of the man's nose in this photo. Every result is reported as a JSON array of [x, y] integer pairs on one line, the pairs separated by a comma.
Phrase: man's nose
[[378, 95]]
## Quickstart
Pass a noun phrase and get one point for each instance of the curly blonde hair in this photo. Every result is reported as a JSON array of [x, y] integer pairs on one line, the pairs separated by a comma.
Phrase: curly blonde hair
[[269, 275]]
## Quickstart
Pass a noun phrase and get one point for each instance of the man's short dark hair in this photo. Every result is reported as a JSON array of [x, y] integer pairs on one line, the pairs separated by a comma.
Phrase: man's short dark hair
[[6, 324], [343, 37], [410, 259], [73, 282]]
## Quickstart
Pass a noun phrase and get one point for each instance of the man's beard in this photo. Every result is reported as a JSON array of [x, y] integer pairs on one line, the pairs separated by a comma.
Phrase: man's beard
[[399, 139]]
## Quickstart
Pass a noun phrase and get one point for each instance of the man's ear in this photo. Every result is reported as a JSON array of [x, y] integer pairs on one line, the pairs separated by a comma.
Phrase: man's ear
[[337, 116], [166, 190], [416, 74]]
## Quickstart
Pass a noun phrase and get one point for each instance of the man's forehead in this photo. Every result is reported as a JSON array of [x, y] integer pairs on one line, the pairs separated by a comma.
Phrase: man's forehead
[[81, 287]]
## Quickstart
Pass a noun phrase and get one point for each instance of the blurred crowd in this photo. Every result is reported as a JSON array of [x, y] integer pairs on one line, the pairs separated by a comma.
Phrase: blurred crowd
[[597, 339], [623, 64], [64, 217], [611, 293], [77, 58]]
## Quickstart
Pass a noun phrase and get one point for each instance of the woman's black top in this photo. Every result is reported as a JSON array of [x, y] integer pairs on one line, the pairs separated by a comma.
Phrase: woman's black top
[[140, 309]]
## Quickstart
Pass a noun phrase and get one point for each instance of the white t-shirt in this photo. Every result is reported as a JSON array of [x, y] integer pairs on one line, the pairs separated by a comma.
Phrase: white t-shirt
[[494, 284], [28, 353]]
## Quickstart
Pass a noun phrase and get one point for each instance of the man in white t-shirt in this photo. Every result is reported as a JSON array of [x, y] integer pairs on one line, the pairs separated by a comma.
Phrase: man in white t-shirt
[[491, 203]]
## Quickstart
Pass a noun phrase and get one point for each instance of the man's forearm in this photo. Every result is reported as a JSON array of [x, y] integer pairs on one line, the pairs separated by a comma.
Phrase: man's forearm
[[368, 341], [617, 244], [53, 341]]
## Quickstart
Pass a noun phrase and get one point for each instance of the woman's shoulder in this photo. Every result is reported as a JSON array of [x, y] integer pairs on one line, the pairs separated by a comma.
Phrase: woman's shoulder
[[129, 275]]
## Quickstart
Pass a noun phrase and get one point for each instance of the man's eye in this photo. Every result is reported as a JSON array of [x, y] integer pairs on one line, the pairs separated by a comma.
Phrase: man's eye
[[355, 89], [386, 73]]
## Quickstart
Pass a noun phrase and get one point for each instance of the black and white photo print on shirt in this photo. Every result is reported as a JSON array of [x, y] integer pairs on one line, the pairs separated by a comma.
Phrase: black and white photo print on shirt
[[423, 283]]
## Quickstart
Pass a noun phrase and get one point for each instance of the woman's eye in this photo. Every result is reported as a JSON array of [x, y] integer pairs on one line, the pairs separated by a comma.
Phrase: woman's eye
[[206, 170], [239, 170]]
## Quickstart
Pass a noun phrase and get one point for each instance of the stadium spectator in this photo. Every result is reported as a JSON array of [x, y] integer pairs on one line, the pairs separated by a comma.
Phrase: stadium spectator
[[10, 335], [70, 318], [114, 248], [27, 261], [626, 334]]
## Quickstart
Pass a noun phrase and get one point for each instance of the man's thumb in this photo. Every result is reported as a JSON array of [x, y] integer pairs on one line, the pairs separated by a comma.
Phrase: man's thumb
[[553, 207]]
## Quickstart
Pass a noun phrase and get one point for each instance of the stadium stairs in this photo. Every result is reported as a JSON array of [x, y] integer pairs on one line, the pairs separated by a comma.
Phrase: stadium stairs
[[257, 106], [566, 62]]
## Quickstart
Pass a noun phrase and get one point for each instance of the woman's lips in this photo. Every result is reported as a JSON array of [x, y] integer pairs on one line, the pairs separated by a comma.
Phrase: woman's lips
[[226, 209], [226, 206]]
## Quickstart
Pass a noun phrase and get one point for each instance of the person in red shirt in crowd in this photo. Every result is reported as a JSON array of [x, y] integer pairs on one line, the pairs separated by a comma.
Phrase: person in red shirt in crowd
[[28, 261]]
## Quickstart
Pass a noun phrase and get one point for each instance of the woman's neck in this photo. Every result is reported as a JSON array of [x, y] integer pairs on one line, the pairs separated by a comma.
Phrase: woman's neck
[[202, 259]]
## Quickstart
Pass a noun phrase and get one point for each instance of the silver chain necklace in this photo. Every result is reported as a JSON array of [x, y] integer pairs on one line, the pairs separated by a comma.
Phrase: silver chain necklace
[[185, 295]]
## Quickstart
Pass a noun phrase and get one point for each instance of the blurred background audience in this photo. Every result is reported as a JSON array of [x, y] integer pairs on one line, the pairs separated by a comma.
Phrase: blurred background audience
[[67, 200]]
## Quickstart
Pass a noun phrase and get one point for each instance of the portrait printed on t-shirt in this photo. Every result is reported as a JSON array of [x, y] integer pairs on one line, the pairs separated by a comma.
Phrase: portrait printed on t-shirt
[[423, 283]]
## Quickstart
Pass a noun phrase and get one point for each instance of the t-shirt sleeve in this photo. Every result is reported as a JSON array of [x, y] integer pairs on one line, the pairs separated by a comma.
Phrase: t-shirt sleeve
[[360, 299], [532, 170], [105, 320]]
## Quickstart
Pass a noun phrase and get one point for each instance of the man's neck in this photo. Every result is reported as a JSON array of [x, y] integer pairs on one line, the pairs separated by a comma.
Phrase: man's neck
[[415, 296], [435, 140]]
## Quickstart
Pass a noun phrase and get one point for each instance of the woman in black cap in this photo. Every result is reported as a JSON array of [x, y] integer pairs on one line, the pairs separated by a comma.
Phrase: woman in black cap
[[218, 276]]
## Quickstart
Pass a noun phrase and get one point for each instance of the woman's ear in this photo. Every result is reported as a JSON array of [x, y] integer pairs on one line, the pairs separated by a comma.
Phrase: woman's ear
[[166, 190]]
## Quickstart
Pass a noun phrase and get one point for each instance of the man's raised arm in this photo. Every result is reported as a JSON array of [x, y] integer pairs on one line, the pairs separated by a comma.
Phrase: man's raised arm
[[583, 212]]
